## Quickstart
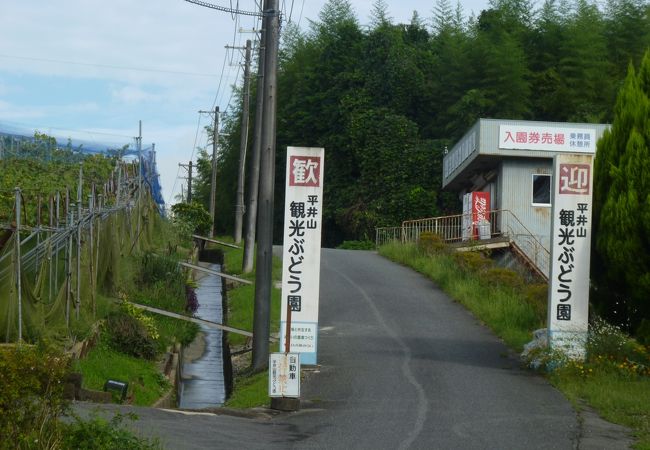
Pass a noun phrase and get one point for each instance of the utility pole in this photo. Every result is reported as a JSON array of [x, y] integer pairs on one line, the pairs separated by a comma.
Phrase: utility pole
[[254, 176], [263, 278], [239, 209], [213, 182], [188, 166], [139, 208]]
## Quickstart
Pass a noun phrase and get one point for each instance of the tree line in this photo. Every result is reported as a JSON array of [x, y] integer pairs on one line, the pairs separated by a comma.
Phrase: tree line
[[386, 99]]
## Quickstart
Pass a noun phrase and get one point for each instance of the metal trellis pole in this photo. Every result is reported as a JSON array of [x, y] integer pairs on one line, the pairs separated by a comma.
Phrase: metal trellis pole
[[18, 268]]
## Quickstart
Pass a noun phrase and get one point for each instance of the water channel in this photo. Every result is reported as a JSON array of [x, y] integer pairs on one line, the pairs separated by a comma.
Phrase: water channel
[[202, 383]]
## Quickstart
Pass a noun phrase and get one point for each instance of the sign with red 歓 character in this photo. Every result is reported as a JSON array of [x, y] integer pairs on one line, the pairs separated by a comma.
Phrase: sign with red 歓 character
[[301, 251]]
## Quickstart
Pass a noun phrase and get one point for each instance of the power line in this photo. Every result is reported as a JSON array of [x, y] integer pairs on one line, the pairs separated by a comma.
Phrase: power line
[[223, 68], [225, 9], [110, 66], [300, 17]]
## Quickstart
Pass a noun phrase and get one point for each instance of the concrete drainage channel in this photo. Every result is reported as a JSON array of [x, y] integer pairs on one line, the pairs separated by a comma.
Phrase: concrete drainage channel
[[204, 383]]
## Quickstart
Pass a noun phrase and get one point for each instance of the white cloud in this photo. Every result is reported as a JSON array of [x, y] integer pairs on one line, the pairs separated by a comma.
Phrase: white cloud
[[132, 95]]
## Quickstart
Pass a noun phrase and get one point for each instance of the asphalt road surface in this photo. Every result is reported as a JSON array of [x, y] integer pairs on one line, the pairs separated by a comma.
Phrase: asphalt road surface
[[401, 365]]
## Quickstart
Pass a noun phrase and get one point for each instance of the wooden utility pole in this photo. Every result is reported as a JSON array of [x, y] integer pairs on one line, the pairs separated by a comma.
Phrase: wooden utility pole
[[263, 277], [140, 168], [188, 166], [239, 208], [254, 176], [213, 182]]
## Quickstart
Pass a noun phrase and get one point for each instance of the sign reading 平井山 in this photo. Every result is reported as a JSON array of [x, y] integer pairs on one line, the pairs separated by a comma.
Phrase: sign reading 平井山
[[301, 250], [570, 252]]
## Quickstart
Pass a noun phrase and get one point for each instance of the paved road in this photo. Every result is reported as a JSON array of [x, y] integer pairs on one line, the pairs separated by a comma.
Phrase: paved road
[[401, 366]]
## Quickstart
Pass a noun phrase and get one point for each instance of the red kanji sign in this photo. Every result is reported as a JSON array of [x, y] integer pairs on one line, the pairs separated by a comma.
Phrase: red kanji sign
[[574, 179], [304, 171]]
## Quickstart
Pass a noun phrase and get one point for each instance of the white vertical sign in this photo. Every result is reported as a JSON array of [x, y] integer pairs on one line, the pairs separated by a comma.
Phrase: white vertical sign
[[303, 212], [568, 306], [284, 375]]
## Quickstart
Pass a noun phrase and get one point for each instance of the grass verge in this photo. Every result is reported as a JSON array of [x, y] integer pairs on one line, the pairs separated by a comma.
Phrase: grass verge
[[250, 390], [615, 378], [146, 383]]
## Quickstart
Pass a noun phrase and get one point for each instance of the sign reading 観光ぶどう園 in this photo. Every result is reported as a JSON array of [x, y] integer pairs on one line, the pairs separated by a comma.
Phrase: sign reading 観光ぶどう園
[[301, 250], [570, 251]]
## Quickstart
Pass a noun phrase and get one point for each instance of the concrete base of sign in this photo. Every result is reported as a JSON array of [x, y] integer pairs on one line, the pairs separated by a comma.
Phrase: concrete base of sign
[[285, 403]]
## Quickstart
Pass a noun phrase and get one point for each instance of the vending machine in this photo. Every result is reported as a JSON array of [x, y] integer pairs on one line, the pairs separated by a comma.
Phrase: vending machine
[[476, 216]]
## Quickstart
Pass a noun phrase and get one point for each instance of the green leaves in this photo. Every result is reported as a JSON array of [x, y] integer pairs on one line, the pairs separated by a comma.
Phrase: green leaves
[[622, 200], [384, 99]]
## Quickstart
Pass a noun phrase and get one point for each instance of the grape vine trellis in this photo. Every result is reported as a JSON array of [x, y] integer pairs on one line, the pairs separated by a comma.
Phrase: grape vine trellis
[[50, 270]]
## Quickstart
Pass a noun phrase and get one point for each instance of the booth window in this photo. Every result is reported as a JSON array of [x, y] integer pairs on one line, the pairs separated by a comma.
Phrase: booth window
[[541, 190]]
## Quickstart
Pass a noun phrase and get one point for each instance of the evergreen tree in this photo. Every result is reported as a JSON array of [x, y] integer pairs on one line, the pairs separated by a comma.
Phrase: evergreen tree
[[622, 202], [627, 32], [545, 55], [379, 14], [584, 67]]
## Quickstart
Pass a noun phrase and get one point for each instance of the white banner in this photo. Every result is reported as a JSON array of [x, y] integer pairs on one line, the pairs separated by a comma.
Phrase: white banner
[[568, 306], [529, 137], [301, 250]]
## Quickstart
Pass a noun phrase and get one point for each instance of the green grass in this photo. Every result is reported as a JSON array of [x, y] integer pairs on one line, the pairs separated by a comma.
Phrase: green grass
[[164, 290], [618, 399], [146, 383], [250, 391], [609, 385], [241, 299]]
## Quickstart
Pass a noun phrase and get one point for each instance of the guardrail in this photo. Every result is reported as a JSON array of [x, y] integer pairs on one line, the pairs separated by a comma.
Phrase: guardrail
[[459, 228]]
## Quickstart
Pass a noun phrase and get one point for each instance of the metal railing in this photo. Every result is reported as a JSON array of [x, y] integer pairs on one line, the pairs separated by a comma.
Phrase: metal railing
[[458, 228]]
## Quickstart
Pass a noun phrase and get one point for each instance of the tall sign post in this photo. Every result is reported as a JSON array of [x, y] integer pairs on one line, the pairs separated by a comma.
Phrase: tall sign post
[[568, 305], [301, 252]]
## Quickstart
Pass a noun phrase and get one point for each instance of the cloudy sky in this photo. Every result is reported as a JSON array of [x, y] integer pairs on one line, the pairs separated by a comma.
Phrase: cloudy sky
[[91, 69]]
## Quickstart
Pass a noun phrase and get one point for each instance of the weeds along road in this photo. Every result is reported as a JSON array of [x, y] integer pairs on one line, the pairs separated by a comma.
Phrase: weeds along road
[[401, 365]]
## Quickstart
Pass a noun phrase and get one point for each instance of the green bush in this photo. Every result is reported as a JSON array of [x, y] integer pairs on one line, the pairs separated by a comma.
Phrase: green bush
[[608, 342], [192, 217], [357, 245], [498, 276], [129, 335], [473, 261], [98, 433], [642, 333], [154, 269], [31, 396], [431, 243], [536, 295]]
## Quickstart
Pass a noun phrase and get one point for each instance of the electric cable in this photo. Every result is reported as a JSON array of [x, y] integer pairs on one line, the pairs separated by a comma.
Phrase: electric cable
[[108, 66]]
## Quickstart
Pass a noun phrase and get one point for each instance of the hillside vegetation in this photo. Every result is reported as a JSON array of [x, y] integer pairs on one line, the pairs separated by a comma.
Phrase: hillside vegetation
[[386, 99]]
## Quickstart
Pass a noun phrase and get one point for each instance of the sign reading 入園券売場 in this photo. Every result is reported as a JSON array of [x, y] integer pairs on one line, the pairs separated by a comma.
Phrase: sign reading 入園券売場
[[568, 305], [555, 139], [301, 250]]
